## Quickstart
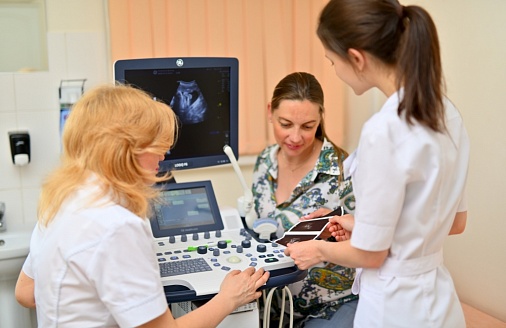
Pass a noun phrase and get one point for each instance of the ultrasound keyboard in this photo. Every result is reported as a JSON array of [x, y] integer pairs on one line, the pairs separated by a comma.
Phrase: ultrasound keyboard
[[224, 254], [176, 268], [198, 263]]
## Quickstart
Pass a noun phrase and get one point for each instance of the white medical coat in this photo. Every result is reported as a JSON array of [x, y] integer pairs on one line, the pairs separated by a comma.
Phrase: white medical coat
[[409, 184], [94, 267]]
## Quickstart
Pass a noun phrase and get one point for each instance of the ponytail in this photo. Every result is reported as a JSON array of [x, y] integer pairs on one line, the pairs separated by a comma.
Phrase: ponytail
[[419, 70], [404, 38]]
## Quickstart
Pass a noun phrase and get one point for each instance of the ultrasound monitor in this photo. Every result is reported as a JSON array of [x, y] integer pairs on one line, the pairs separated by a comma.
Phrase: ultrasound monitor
[[185, 208], [203, 92]]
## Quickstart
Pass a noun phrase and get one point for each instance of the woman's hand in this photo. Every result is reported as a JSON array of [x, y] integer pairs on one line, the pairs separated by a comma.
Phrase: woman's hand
[[341, 226], [241, 287], [305, 254], [322, 211]]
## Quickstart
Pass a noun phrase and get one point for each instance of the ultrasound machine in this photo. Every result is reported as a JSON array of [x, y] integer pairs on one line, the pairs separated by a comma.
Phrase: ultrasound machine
[[197, 243]]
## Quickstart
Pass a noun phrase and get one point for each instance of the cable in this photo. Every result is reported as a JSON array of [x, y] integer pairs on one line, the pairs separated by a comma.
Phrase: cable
[[267, 307], [282, 310], [290, 300], [264, 299]]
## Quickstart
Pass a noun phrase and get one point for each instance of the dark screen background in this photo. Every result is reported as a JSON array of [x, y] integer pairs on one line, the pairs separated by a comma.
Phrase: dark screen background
[[207, 137]]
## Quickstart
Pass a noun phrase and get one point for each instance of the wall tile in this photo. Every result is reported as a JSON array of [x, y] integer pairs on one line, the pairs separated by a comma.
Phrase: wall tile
[[30, 198], [57, 55], [7, 103], [9, 174], [35, 91], [13, 208], [87, 57], [43, 127]]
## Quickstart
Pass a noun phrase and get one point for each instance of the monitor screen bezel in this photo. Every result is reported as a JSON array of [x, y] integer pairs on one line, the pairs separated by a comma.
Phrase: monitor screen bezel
[[170, 164], [213, 206]]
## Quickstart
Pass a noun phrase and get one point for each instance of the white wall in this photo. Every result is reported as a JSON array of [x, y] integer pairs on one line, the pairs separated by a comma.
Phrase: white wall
[[474, 47], [77, 48], [474, 52]]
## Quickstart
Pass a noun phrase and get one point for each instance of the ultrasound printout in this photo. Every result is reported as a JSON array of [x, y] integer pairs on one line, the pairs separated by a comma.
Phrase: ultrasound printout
[[304, 230]]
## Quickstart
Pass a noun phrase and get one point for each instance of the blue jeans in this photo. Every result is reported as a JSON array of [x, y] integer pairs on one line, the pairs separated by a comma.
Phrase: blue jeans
[[343, 318]]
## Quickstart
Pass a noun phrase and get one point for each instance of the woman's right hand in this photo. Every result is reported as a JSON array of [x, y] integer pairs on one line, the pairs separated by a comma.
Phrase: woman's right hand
[[342, 226], [241, 287], [321, 212]]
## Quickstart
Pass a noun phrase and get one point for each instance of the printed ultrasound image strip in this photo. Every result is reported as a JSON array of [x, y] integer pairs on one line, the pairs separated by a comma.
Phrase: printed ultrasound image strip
[[308, 229]]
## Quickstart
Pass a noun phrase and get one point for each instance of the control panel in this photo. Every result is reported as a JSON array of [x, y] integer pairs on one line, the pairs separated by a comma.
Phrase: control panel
[[194, 265]]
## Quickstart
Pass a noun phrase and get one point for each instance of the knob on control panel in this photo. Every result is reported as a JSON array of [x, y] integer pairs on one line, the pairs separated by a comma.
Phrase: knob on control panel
[[202, 249], [261, 248], [222, 244], [246, 243]]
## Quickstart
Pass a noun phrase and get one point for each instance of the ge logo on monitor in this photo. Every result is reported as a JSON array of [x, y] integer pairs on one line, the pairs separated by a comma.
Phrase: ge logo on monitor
[[179, 62]]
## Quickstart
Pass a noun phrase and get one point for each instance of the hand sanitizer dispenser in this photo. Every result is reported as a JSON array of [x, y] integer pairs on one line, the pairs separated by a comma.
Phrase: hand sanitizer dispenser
[[20, 147]]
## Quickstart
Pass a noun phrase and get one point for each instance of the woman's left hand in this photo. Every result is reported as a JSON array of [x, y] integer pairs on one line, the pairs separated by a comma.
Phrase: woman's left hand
[[322, 211]]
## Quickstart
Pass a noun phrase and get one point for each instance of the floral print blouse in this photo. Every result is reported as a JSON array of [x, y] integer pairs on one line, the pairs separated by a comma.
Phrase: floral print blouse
[[327, 285]]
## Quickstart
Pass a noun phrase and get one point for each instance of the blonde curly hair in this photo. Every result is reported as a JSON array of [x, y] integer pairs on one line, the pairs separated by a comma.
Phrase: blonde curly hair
[[107, 129]]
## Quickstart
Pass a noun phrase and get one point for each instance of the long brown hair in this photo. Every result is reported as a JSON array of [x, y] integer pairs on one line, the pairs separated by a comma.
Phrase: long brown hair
[[403, 37], [107, 129]]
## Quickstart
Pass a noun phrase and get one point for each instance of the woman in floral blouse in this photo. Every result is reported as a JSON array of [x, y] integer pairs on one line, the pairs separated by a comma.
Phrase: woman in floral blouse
[[298, 175]]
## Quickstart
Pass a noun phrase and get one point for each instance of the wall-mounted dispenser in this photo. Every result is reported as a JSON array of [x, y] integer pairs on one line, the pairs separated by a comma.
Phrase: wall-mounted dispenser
[[20, 147], [70, 91]]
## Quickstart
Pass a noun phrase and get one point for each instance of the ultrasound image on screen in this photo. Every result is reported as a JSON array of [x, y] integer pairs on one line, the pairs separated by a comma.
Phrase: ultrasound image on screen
[[200, 97], [183, 208], [189, 103]]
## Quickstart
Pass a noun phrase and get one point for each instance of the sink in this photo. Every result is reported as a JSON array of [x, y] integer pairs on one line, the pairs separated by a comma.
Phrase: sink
[[14, 248]]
